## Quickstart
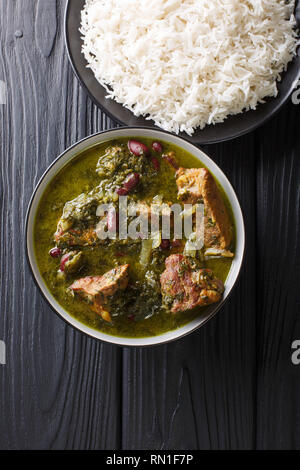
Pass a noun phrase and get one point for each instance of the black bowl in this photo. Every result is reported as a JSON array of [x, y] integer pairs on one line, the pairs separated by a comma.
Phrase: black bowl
[[233, 126]]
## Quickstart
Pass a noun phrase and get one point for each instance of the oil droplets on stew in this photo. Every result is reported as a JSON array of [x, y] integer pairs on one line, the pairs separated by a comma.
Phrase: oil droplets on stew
[[131, 288]]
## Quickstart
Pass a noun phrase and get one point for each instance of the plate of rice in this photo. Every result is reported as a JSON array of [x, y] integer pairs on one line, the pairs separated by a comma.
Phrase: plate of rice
[[208, 70]]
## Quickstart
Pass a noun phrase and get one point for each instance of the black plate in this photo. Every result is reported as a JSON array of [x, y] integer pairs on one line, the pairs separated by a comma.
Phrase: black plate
[[232, 127]]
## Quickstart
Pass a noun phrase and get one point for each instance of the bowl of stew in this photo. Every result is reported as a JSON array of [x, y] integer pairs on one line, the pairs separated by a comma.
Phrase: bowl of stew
[[135, 236]]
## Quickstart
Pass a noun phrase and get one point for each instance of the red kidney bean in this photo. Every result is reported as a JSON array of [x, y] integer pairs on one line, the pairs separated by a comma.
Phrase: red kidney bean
[[63, 261], [165, 244], [137, 148], [171, 160], [157, 147], [55, 252], [122, 192], [131, 181], [155, 163], [112, 220]]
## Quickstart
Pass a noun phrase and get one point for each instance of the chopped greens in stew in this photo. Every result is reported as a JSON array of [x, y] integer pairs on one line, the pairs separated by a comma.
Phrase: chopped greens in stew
[[132, 287]]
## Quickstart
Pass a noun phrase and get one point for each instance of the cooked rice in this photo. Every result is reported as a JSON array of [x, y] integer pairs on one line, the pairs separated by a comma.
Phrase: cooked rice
[[188, 63]]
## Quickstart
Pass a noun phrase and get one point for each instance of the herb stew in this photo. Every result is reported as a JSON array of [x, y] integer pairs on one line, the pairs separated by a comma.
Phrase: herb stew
[[126, 287]]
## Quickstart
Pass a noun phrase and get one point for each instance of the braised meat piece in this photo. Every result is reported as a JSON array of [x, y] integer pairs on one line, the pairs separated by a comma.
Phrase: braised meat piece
[[76, 227], [70, 262], [189, 183], [184, 286], [97, 289], [76, 237], [197, 185]]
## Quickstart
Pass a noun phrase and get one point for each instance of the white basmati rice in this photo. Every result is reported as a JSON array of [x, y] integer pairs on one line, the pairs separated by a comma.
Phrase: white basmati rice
[[188, 63]]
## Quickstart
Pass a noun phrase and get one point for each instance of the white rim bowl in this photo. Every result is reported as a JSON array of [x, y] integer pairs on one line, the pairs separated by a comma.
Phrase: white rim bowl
[[79, 147]]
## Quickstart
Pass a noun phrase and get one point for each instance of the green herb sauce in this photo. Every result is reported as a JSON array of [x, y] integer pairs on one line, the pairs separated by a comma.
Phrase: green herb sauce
[[80, 176]]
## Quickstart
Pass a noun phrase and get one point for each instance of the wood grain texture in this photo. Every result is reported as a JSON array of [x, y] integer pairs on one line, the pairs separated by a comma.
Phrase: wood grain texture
[[231, 385], [59, 388], [199, 392], [45, 26], [278, 275]]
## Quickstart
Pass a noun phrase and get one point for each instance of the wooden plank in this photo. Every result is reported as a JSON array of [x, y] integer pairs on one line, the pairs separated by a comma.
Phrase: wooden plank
[[59, 388], [278, 274], [199, 392]]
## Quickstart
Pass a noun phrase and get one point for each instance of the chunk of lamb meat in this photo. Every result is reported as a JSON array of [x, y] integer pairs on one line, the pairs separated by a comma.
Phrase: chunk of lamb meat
[[97, 289], [184, 286], [196, 185], [76, 237]]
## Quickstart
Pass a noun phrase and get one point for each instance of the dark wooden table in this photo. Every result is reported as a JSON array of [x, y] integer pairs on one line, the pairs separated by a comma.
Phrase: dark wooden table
[[232, 384]]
